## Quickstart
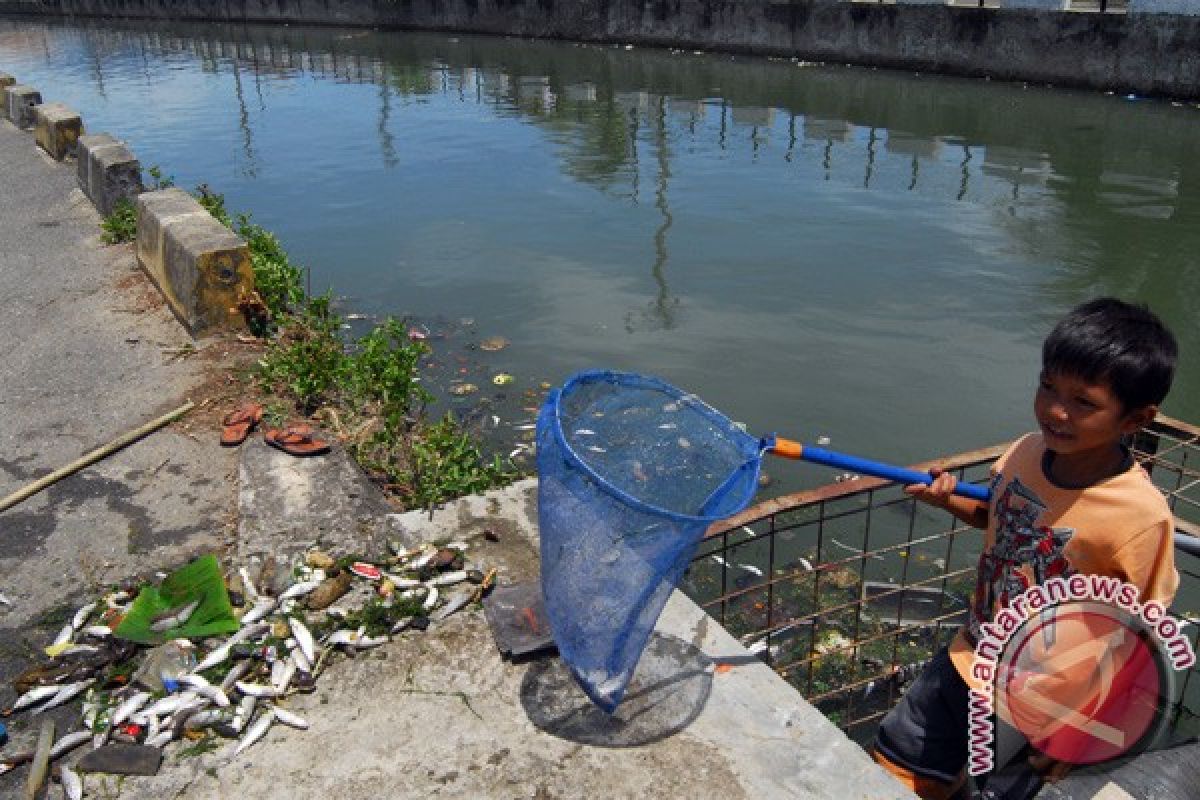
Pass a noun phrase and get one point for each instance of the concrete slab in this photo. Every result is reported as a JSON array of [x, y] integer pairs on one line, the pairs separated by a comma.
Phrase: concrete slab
[[86, 364], [6, 80], [85, 145], [56, 129], [441, 714]]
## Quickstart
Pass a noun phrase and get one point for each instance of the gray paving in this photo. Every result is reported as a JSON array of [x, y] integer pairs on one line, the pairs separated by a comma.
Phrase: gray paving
[[81, 362]]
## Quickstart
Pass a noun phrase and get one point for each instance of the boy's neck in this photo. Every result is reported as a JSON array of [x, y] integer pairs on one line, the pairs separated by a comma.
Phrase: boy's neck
[[1086, 468]]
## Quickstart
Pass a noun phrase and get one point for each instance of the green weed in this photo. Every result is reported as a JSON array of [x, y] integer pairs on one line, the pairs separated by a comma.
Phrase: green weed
[[444, 462], [121, 224]]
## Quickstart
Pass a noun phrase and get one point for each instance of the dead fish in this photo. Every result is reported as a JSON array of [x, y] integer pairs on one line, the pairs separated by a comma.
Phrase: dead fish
[[249, 632], [72, 784], [176, 618], [371, 641], [398, 582], [170, 704], [80, 649], [596, 449], [304, 638], [855, 550], [255, 689], [64, 636], [213, 694], [449, 578], [299, 589], [290, 719], [214, 658], [749, 531], [720, 561], [431, 598], [344, 638], [260, 610], [82, 614], [235, 674], [751, 569], [454, 603], [248, 586], [423, 560], [244, 712], [585, 432], [100, 631], [202, 719], [302, 662], [287, 671], [256, 732], [128, 707], [4, 601], [64, 694], [35, 695], [68, 743]]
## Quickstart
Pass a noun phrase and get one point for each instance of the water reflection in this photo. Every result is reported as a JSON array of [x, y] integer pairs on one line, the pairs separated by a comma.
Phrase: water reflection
[[1087, 194]]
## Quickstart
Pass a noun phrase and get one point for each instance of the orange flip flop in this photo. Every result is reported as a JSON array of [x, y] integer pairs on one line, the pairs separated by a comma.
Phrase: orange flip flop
[[238, 423], [297, 440]]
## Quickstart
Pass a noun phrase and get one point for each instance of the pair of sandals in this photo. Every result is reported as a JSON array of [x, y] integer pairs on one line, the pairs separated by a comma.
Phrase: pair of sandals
[[295, 440]]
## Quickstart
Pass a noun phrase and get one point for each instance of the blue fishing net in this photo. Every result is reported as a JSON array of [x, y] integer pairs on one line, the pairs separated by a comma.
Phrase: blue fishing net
[[631, 472]]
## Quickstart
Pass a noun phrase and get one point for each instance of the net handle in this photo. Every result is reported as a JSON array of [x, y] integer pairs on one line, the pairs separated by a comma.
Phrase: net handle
[[831, 458]]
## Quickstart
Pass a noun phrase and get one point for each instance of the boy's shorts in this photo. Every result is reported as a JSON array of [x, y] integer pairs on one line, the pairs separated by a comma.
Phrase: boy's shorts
[[926, 733], [923, 741]]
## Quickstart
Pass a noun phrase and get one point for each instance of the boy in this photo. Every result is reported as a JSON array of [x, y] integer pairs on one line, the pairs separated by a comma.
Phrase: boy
[[1068, 500]]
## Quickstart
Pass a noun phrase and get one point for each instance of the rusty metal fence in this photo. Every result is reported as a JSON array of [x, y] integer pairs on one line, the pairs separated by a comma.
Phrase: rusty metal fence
[[848, 589]]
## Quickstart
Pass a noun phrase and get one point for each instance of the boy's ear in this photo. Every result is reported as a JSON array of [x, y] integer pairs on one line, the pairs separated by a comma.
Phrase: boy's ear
[[1138, 418]]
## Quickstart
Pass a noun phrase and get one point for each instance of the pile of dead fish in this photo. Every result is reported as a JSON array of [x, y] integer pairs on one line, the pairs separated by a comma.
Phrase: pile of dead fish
[[236, 687]]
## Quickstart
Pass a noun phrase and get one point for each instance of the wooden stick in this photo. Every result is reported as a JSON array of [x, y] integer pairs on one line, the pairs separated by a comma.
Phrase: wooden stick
[[94, 456]]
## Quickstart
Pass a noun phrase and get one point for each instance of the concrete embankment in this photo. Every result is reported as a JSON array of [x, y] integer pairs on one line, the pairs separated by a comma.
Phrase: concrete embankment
[[1141, 52]]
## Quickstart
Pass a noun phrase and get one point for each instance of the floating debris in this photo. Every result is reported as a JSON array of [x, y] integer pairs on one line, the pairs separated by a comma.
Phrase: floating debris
[[503, 379], [493, 343], [463, 389]]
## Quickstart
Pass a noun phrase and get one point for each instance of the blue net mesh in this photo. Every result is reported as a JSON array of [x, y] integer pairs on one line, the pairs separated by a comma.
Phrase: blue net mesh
[[631, 471]]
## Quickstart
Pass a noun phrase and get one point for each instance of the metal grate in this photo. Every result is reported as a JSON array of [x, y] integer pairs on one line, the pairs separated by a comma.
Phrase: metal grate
[[848, 589]]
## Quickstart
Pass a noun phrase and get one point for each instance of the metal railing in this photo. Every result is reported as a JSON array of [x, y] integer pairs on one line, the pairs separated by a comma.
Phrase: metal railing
[[848, 589]]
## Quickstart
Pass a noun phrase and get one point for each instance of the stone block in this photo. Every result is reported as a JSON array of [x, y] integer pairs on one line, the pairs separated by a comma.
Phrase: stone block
[[200, 266], [1036, 5], [6, 80], [108, 172], [57, 129], [19, 101]]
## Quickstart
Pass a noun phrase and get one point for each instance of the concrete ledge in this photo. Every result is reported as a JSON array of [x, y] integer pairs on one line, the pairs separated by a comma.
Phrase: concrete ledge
[[198, 264], [19, 101], [57, 129], [6, 80], [108, 172]]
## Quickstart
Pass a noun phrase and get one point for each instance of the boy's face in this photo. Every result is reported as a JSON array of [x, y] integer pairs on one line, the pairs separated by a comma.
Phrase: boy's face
[[1077, 416]]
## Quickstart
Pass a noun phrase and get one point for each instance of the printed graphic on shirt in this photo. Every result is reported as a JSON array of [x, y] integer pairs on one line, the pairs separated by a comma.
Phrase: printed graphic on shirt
[[1025, 552]]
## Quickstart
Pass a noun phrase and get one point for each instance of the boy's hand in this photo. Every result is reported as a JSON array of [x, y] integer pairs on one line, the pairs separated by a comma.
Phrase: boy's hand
[[1051, 771], [937, 493]]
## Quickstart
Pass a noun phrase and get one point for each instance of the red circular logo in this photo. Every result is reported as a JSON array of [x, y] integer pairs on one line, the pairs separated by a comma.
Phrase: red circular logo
[[1083, 683]]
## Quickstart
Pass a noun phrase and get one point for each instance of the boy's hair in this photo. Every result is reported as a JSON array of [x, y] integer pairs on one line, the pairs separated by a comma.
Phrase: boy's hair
[[1124, 345]]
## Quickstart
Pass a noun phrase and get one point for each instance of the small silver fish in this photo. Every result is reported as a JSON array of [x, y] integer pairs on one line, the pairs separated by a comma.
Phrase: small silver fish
[[397, 581], [214, 658], [64, 694], [4, 601], [454, 603], [751, 569], [98, 631], [72, 784], [244, 712], [449, 578], [68, 743], [255, 689], [248, 586], [256, 731], [236, 673], [431, 598], [720, 561], [202, 719], [160, 739], [176, 619], [596, 449], [290, 719], [585, 432], [131, 704], [35, 695], [286, 673], [299, 590], [303, 638], [423, 560], [171, 703], [261, 609], [82, 614], [64, 636], [80, 649]]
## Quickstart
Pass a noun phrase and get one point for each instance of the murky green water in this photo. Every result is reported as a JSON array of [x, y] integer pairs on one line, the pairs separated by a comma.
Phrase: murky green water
[[861, 254]]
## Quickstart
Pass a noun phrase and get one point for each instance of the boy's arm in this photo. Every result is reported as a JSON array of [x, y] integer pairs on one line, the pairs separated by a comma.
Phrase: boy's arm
[[940, 493]]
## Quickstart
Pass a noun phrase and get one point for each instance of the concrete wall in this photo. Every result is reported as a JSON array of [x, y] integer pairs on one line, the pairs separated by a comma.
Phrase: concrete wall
[[1146, 53]]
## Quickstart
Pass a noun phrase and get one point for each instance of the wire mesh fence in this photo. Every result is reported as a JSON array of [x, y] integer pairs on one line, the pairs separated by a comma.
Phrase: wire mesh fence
[[847, 590]]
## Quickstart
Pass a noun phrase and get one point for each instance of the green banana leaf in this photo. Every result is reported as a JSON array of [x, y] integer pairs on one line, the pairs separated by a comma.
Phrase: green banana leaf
[[200, 580]]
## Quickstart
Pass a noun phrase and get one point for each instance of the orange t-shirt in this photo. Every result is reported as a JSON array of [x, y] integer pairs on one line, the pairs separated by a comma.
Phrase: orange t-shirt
[[1120, 527]]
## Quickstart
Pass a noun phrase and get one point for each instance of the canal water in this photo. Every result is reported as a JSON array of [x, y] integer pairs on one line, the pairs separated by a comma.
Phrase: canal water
[[865, 255]]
